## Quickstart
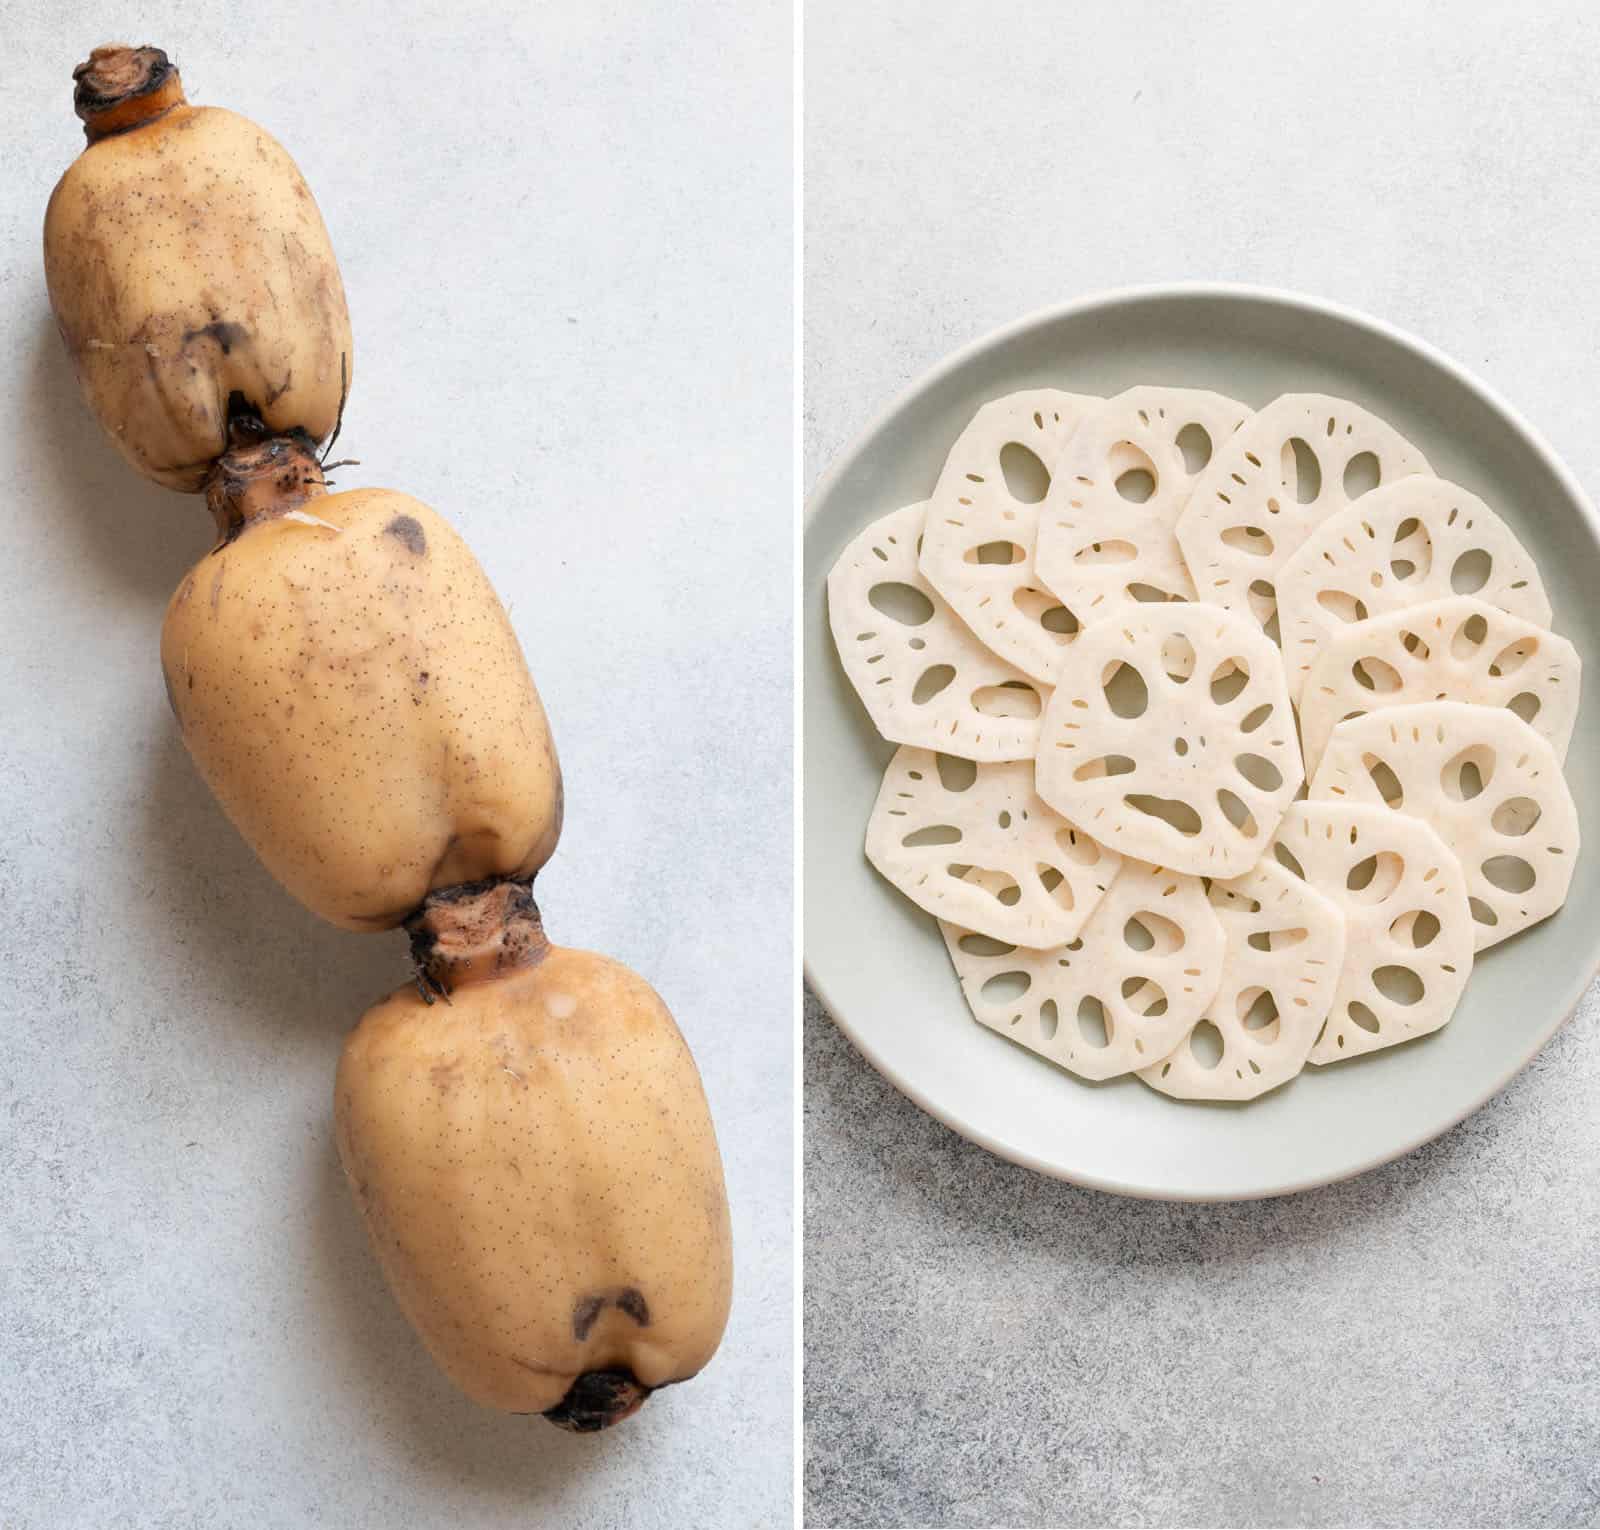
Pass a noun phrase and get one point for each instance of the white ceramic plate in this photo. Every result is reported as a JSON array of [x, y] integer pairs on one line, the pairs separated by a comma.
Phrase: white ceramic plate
[[878, 962]]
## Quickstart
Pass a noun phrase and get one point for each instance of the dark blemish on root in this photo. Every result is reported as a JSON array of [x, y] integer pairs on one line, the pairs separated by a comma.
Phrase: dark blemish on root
[[408, 530], [444, 1075], [422, 679], [625, 1299], [584, 1315], [226, 334], [631, 1300], [274, 394]]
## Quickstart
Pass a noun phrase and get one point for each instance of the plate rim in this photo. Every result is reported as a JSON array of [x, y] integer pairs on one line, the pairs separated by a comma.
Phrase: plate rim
[[1116, 297]]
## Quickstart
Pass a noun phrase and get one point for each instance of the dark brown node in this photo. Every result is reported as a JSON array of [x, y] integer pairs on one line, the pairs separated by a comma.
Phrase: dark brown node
[[474, 931], [118, 88], [597, 1400]]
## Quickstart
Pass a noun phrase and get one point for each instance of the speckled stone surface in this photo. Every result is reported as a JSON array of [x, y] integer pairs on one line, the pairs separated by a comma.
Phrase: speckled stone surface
[[569, 284], [1419, 1346]]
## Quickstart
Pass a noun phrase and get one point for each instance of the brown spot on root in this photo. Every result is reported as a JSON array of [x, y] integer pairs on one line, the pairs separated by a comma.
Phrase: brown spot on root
[[585, 1315], [407, 530], [444, 1075], [625, 1299], [226, 335], [597, 1400], [631, 1301]]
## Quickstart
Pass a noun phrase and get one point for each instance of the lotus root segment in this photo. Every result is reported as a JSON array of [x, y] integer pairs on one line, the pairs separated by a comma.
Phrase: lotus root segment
[[978, 545], [1408, 930], [349, 686], [1120, 996], [538, 1174], [1283, 953], [1106, 528], [191, 276], [1417, 541], [1456, 649], [1169, 738], [1490, 787], [1303, 458], [974, 844], [922, 675]]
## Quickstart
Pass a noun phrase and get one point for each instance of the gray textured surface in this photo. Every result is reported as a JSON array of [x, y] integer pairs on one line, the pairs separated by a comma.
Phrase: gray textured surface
[[569, 284], [1417, 1346]]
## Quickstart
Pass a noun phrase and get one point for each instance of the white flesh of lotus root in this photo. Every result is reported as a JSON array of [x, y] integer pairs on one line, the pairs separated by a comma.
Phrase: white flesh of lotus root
[[985, 710], [1407, 929], [1261, 497], [1448, 650], [977, 550], [1106, 526], [1486, 782], [1419, 540], [1284, 952], [1136, 979], [973, 843], [1169, 737]]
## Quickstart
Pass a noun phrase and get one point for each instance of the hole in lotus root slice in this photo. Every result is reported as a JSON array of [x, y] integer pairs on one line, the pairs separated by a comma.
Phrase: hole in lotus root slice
[[1019, 872], [1362, 474], [1246, 489], [1330, 839], [1027, 479], [1487, 783], [897, 639], [1121, 483], [1284, 945], [1207, 808], [989, 493], [1455, 649], [1347, 566], [1195, 442], [1115, 1008], [1042, 607]]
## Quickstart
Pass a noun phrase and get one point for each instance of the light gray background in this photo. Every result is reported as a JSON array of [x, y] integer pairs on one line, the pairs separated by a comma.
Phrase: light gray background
[[566, 239], [1418, 1346]]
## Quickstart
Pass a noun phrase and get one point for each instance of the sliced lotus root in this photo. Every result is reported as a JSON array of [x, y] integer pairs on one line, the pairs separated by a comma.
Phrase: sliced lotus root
[[1135, 980], [1169, 738], [921, 674], [1106, 526], [1418, 540], [1489, 785], [1407, 929], [977, 550], [1282, 958], [1448, 650], [974, 843], [1302, 459]]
